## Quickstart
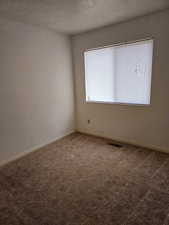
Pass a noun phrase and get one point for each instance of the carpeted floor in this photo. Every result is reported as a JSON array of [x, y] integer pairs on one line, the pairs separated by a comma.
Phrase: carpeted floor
[[82, 180]]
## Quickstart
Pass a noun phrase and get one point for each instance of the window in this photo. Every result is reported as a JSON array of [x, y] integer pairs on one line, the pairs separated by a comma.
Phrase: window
[[119, 74]]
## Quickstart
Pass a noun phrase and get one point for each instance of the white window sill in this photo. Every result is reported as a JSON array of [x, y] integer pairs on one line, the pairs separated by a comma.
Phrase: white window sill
[[117, 103]]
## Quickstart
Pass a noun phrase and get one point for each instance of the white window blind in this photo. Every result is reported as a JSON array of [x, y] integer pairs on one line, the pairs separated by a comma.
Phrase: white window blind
[[119, 74]]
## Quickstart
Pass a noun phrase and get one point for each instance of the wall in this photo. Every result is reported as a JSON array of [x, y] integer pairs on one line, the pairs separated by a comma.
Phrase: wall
[[142, 125], [36, 88]]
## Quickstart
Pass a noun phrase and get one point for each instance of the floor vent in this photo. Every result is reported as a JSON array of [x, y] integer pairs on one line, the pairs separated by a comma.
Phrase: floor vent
[[115, 145]]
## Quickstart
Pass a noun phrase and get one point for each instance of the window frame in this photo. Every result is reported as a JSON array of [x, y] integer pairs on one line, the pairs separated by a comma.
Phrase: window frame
[[115, 45]]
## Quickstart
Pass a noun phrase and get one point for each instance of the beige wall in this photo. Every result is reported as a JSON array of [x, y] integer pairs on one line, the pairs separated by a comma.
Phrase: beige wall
[[142, 125], [36, 88]]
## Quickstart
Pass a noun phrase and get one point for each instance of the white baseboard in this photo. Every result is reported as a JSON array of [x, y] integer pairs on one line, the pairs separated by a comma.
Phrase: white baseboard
[[152, 147], [24, 153], [3, 162]]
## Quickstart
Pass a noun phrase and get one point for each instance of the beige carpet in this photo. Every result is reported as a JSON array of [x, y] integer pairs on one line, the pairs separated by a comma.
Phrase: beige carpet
[[82, 180]]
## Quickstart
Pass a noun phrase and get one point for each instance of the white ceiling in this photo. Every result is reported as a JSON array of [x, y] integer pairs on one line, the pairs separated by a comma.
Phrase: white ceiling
[[75, 16]]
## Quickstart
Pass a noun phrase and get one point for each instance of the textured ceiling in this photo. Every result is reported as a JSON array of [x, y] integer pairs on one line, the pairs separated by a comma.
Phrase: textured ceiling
[[75, 16]]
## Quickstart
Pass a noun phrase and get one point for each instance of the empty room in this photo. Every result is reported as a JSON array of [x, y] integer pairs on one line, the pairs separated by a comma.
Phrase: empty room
[[84, 112]]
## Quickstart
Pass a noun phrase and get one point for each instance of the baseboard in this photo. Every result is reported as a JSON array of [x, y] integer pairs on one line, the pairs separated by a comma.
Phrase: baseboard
[[151, 147], [28, 151], [35, 148]]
